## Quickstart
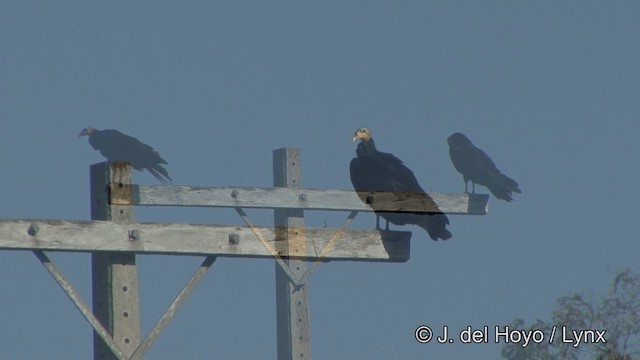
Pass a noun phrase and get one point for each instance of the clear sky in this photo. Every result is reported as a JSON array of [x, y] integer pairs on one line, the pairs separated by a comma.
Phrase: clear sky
[[550, 90]]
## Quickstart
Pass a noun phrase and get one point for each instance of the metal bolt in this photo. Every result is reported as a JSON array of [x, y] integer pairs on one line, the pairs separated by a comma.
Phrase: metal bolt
[[234, 239], [134, 235], [302, 197], [234, 193], [33, 229]]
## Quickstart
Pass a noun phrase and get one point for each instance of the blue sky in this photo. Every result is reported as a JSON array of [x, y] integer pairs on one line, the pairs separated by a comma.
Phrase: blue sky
[[549, 90]]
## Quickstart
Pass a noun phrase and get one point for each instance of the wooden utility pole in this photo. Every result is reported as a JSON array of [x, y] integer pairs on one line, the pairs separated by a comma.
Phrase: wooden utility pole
[[114, 239], [292, 307], [114, 274]]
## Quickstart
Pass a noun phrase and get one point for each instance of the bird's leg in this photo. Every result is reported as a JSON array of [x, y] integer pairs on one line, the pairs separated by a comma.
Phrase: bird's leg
[[377, 222], [473, 187], [387, 227], [466, 186]]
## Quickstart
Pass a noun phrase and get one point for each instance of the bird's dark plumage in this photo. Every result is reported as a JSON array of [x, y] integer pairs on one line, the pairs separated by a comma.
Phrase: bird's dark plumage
[[476, 166], [373, 170], [116, 146]]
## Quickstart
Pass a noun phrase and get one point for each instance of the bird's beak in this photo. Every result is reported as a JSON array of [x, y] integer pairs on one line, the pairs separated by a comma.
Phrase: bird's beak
[[354, 138], [82, 133]]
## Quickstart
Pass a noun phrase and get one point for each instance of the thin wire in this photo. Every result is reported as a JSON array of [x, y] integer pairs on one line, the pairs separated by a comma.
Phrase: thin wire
[[328, 247]]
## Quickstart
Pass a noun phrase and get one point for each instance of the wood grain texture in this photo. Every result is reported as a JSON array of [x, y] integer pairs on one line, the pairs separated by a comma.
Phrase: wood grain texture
[[308, 199], [188, 239], [114, 275]]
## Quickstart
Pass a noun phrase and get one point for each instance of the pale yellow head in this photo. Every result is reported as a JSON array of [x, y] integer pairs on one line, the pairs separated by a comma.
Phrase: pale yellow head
[[361, 134], [86, 131]]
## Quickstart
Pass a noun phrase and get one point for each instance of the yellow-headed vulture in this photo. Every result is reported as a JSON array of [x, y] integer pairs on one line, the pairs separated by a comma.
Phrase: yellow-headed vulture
[[373, 170], [116, 146], [476, 166]]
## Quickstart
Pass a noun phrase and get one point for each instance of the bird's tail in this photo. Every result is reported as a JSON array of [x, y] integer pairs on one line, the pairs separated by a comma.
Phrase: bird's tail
[[160, 173], [502, 186], [436, 226]]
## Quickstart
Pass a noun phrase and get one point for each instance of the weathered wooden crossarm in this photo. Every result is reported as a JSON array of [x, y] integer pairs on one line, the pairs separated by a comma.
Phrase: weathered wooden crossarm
[[308, 199], [186, 239]]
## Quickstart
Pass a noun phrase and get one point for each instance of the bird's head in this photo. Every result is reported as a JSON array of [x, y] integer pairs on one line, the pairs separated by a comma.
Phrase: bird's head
[[458, 139], [361, 134], [86, 131]]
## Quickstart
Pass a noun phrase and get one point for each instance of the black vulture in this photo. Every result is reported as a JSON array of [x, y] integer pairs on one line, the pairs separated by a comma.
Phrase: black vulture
[[372, 170], [476, 166], [116, 146]]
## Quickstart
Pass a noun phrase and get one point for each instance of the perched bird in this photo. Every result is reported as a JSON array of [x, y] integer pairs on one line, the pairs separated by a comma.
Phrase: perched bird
[[476, 166], [116, 146], [372, 170]]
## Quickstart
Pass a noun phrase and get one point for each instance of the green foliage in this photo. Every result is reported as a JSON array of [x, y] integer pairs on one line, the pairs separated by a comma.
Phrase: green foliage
[[618, 313]]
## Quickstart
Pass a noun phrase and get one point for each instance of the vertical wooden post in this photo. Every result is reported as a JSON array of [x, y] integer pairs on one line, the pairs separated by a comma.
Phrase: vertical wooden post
[[114, 275], [294, 340]]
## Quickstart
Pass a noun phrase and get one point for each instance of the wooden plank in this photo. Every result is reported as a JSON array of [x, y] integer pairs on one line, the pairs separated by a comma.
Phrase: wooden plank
[[114, 275], [73, 295], [292, 306], [308, 199], [197, 276], [188, 239]]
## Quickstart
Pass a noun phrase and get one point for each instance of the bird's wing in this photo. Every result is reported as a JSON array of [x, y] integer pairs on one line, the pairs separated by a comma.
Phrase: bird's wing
[[116, 146], [398, 175], [385, 172], [382, 172], [481, 159]]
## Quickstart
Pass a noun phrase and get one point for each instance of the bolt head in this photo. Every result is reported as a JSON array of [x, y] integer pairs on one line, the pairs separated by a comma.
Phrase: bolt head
[[234, 239]]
